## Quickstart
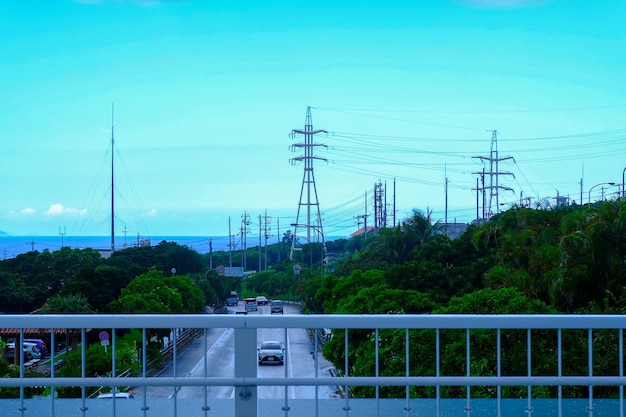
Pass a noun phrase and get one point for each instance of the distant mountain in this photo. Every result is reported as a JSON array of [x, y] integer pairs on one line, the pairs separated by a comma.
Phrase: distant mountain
[[3, 233]]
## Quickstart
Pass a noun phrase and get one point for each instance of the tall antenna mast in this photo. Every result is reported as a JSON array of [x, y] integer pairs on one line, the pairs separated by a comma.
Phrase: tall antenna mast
[[308, 192], [112, 180]]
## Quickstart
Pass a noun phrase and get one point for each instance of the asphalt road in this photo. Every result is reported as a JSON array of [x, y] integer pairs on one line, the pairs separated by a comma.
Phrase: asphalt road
[[219, 349]]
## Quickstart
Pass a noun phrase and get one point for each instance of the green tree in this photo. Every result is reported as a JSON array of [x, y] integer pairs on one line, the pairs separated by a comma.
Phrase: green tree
[[153, 293], [393, 245], [192, 296], [66, 304], [100, 285], [335, 290], [99, 362], [148, 293]]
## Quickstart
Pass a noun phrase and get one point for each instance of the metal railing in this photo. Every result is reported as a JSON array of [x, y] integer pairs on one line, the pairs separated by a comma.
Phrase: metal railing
[[245, 381]]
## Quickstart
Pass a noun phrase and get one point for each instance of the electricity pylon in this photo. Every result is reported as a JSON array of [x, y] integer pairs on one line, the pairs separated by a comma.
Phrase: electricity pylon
[[493, 174], [308, 192]]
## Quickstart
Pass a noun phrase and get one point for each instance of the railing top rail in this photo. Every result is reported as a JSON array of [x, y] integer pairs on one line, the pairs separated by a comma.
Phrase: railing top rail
[[408, 321]]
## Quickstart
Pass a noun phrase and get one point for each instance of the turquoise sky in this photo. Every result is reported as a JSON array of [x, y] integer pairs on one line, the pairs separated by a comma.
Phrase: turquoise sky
[[206, 94]]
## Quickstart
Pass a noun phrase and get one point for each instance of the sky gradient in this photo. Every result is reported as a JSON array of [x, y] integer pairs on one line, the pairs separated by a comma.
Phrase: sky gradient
[[206, 94]]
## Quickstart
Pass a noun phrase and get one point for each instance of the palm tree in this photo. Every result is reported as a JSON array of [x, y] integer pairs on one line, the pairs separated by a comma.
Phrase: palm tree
[[67, 304], [417, 230]]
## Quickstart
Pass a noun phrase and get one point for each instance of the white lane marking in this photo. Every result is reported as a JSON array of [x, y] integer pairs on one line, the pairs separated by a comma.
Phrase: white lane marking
[[206, 355], [290, 368], [219, 341]]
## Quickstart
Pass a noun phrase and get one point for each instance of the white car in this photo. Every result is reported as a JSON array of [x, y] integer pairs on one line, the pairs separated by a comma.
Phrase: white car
[[31, 351], [271, 351], [262, 300]]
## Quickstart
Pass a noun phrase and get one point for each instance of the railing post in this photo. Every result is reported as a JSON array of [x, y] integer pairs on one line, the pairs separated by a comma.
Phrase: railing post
[[245, 366]]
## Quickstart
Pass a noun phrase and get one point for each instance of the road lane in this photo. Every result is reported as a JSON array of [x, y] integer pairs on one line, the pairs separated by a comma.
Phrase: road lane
[[187, 360], [220, 362]]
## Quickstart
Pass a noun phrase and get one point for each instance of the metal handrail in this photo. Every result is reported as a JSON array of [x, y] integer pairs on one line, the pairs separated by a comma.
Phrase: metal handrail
[[245, 379], [347, 321]]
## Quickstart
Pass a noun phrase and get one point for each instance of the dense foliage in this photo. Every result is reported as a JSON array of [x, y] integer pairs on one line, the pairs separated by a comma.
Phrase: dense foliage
[[81, 280], [563, 260]]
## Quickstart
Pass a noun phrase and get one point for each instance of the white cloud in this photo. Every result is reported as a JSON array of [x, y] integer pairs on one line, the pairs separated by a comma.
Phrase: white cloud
[[151, 213], [28, 211], [59, 210]]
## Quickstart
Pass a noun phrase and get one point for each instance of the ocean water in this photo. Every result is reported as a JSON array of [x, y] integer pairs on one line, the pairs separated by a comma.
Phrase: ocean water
[[11, 246]]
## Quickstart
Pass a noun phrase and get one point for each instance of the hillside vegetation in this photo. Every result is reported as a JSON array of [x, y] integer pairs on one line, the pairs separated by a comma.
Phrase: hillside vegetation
[[563, 260]]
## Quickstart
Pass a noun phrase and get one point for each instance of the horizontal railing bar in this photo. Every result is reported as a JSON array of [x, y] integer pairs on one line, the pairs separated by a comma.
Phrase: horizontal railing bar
[[321, 381], [412, 321]]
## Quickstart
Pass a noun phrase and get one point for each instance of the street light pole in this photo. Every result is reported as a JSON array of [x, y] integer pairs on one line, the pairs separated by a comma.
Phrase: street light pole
[[602, 183]]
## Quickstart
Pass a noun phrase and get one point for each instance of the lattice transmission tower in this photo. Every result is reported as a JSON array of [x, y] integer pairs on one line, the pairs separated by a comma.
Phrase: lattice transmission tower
[[491, 192], [311, 219]]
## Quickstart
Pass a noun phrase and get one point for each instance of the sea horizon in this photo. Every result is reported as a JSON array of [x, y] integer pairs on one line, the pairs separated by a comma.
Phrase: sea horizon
[[12, 245]]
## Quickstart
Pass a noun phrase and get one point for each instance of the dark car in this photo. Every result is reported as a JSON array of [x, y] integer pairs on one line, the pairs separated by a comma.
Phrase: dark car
[[250, 304]]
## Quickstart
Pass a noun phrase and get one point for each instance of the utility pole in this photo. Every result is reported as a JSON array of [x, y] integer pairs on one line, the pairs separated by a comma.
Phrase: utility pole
[[210, 253], [112, 180], [494, 174], [245, 222], [63, 233], [278, 236], [582, 175], [364, 217], [358, 221], [384, 224], [125, 234], [31, 244], [308, 191], [445, 192], [380, 203], [266, 229], [230, 245], [394, 202], [525, 201]]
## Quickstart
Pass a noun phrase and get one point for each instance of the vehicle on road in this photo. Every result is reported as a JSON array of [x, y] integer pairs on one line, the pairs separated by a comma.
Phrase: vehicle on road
[[276, 307], [262, 300], [250, 304], [271, 351], [41, 345], [232, 300], [31, 351]]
